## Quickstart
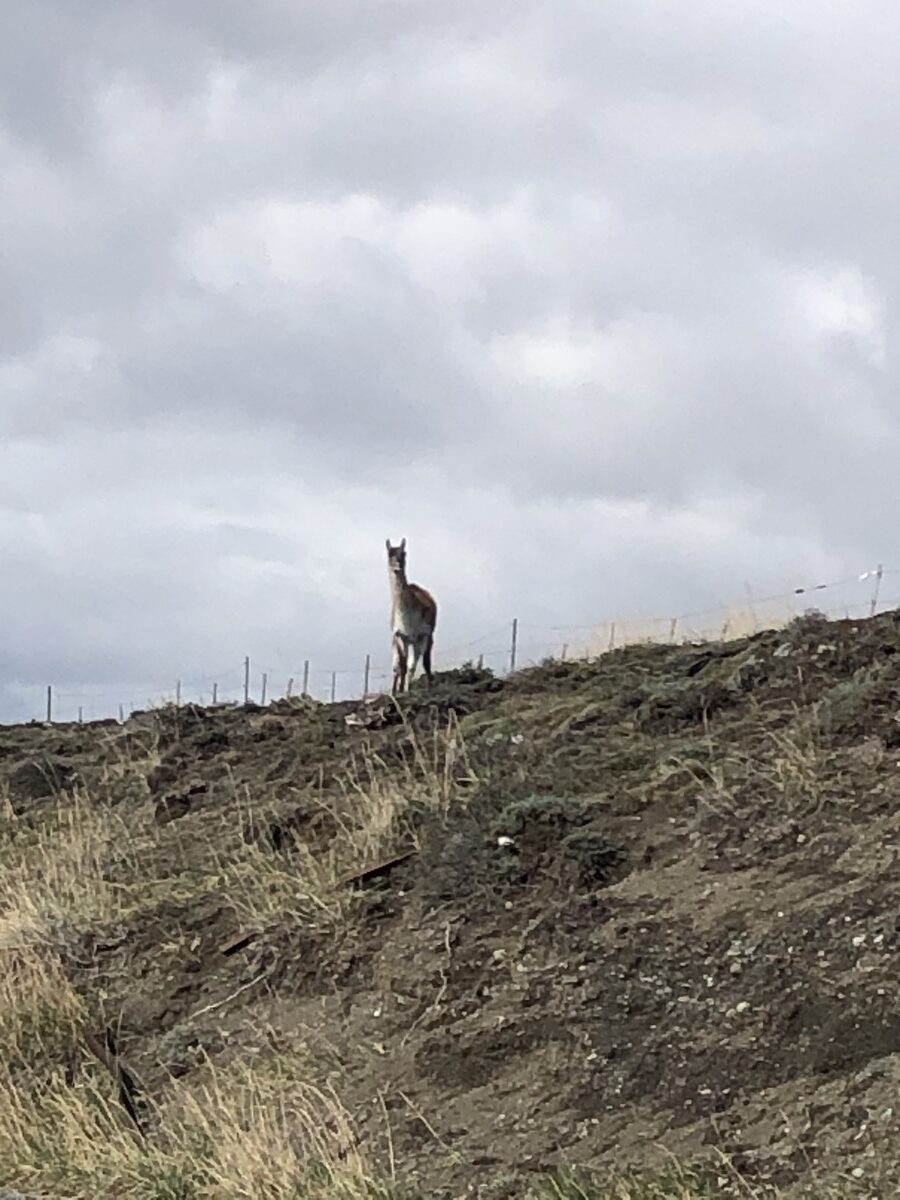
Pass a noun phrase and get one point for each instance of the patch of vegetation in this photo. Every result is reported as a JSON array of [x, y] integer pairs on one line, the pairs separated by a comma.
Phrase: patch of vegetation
[[680, 1183], [39, 1010], [810, 626], [673, 1184], [558, 813], [243, 1133]]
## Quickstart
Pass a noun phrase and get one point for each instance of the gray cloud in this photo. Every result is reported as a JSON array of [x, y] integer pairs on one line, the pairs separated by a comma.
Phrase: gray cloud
[[593, 305]]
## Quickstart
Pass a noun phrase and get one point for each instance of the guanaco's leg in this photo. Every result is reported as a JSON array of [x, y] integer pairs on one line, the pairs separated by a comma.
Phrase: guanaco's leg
[[416, 654], [400, 649], [426, 656]]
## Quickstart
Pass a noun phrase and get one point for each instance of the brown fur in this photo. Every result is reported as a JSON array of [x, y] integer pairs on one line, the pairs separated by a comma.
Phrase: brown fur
[[425, 602]]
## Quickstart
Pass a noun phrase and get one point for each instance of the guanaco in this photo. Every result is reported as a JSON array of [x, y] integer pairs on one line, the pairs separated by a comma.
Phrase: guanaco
[[413, 618]]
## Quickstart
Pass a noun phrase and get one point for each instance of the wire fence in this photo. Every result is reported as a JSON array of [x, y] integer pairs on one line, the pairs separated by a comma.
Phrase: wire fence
[[507, 648]]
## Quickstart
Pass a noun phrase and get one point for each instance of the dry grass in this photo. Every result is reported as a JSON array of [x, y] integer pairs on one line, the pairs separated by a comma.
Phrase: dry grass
[[721, 624], [84, 865], [65, 869], [247, 1134], [259, 1131], [674, 1184], [374, 813], [798, 770], [678, 1183], [56, 872], [39, 1011], [706, 780], [795, 769]]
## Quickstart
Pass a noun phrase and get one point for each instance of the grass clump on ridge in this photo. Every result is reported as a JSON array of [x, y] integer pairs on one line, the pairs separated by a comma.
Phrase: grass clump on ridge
[[372, 813]]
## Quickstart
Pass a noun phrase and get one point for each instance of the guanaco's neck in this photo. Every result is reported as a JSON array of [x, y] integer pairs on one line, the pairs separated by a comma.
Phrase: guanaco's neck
[[398, 587]]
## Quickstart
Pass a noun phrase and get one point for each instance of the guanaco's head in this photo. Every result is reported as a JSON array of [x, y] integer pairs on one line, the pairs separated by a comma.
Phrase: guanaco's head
[[396, 557]]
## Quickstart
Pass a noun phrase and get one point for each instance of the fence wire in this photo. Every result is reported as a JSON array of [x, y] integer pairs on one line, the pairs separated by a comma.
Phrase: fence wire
[[511, 646]]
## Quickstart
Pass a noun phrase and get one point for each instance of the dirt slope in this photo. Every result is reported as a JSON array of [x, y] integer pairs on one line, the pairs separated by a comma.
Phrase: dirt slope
[[652, 906]]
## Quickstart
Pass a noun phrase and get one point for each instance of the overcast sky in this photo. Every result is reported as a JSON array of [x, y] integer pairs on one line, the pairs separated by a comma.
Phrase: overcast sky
[[591, 302]]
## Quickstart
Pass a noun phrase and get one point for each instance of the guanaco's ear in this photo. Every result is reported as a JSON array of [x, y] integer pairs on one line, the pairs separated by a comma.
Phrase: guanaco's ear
[[403, 543], [387, 542]]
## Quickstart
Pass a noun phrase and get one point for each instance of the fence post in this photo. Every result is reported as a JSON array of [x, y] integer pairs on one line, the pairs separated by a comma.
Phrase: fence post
[[366, 676], [49, 703], [306, 678], [333, 685], [290, 688], [178, 693], [612, 635], [673, 624], [215, 692], [874, 604], [121, 715], [262, 695], [562, 655], [80, 715], [512, 645], [247, 679]]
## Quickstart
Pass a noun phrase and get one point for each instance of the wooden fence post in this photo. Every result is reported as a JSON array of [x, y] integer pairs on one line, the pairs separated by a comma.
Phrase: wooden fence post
[[874, 605]]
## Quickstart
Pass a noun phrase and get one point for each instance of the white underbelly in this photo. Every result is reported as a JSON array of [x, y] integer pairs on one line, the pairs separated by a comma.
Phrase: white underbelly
[[410, 625]]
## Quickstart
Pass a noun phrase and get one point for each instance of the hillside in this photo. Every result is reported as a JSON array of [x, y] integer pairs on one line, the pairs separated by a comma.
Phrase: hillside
[[647, 915]]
